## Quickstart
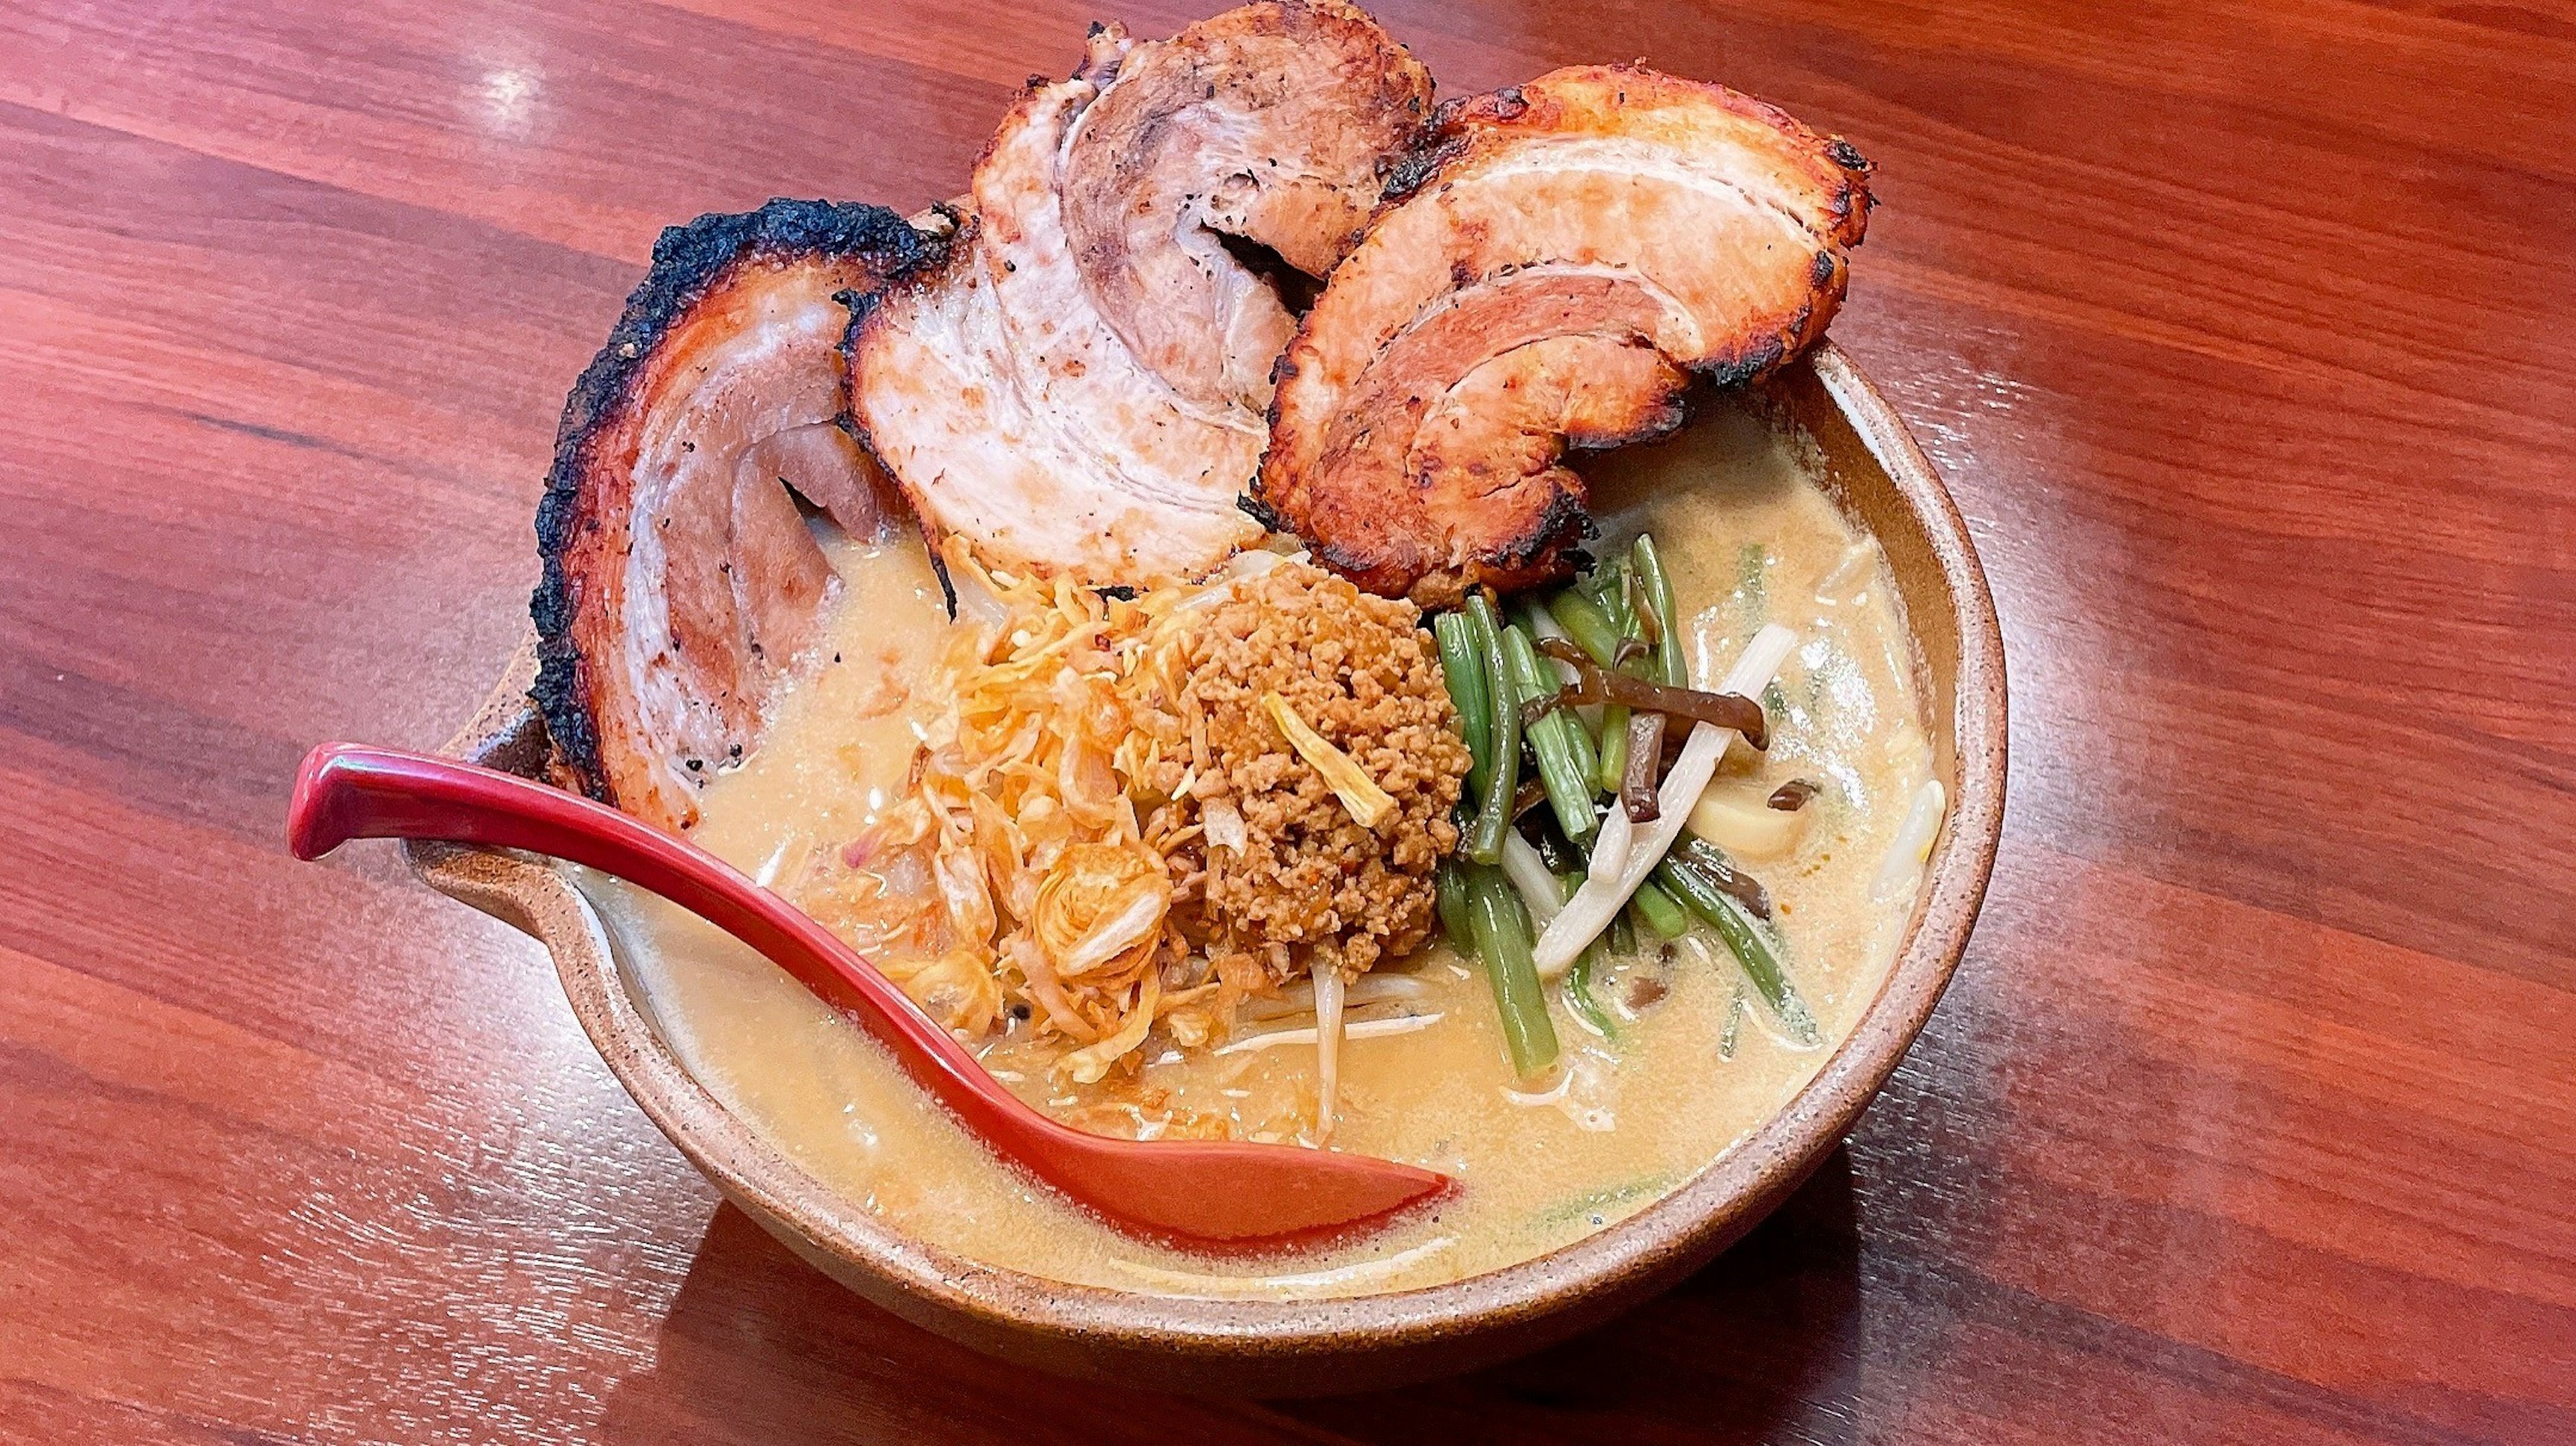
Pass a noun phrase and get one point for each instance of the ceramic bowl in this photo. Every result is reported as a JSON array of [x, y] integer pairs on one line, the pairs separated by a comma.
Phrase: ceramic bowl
[[1882, 480]]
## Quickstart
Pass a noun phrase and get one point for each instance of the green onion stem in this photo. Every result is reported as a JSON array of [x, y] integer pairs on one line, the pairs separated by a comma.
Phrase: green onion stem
[[1553, 738], [1659, 595], [1578, 989], [1610, 765], [1597, 635], [1585, 622], [1452, 882], [1462, 668], [1494, 811], [1752, 949], [1610, 770], [1502, 933], [1658, 911], [1609, 588], [1578, 733]]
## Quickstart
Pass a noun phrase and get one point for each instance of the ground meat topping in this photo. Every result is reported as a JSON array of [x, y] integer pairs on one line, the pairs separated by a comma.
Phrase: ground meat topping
[[1107, 835], [1361, 672]]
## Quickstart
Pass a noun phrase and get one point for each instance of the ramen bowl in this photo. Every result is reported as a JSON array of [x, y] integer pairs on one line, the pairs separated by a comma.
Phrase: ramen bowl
[[1878, 477]]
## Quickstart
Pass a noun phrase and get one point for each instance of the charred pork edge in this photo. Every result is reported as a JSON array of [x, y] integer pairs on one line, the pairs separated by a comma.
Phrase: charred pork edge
[[689, 263], [1448, 134]]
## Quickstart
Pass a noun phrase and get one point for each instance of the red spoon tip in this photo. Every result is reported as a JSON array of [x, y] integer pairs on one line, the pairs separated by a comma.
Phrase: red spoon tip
[[317, 818]]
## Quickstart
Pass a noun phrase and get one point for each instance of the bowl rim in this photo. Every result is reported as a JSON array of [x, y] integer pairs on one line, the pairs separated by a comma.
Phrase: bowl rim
[[1676, 1232]]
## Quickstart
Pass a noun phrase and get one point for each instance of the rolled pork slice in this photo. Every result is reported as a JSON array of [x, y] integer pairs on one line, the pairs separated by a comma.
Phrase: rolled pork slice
[[682, 583], [1554, 269], [1081, 389]]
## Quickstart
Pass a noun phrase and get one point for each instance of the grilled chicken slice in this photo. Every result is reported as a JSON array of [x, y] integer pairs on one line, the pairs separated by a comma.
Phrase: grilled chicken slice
[[681, 582], [1080, 389], [1551, 270]]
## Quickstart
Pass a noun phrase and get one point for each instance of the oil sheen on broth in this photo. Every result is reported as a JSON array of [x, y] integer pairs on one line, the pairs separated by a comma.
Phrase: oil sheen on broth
[[1748, 538]]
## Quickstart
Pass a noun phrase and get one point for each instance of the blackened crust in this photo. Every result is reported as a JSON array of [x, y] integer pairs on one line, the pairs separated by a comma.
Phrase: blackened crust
[[689, 262]]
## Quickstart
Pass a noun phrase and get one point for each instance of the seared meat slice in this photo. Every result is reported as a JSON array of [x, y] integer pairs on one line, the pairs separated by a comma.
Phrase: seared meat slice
[[1551, 270], [681, 582], [1080, 388]]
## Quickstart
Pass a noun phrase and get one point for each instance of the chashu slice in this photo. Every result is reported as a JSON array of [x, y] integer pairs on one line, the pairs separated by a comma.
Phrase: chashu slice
[[681, 582], [1552, 270], [1081, 389]]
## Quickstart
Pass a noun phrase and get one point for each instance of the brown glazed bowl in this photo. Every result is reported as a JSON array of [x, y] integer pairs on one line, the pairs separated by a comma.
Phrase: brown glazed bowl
[[1882, 481]]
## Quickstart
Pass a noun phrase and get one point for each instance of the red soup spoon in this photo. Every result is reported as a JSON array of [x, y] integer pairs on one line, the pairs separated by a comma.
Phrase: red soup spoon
[[1208, 1190]]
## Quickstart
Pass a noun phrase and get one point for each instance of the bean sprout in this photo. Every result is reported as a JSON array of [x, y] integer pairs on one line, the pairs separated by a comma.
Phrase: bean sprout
[[1361, 1029], [1596, 904]]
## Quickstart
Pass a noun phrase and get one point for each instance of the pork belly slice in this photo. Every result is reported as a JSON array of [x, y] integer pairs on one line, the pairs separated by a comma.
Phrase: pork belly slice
[[682, 585], [1552, 269], [1081, 388]]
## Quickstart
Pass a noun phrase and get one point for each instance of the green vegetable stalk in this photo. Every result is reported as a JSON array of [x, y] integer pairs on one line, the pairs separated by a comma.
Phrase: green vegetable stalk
[[1501, 930], [1578, 989], [1658, 589], [1462, 668], [1503, 732], [1751, 947], [1585, 622], [1563, 762], [1658, 912], [1452, 883]]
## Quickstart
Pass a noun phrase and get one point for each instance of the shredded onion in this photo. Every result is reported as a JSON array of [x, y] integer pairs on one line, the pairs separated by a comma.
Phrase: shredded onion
[[1120, 932], [1361, 1029], [1358, 792], [1087, 1064], [1596, 904]]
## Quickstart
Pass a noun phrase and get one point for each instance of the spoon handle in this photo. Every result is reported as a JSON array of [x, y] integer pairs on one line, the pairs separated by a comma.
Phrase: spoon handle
[[345, 791]]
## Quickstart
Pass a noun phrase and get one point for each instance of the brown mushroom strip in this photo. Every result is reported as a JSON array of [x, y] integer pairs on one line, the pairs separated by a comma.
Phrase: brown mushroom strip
[[1637, 783], [1540, 706], [1718, 869], [1592, 685], [1793, 795], [1531, 794]]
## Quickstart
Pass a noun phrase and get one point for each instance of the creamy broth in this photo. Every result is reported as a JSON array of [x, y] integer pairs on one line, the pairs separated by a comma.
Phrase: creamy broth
[[1748, 537]]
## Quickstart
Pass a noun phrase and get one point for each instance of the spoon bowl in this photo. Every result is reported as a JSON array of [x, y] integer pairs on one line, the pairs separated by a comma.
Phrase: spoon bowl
[[1206, 1191]]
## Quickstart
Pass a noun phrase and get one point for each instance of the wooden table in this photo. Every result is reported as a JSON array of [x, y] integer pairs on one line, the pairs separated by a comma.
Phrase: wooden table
[[2246, 335]]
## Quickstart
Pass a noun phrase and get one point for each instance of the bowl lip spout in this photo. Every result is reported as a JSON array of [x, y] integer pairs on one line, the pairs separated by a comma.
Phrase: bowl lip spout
[[1076, 1327]]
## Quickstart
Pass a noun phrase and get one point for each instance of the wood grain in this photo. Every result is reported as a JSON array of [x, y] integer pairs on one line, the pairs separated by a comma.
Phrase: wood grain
[[2243, 332]]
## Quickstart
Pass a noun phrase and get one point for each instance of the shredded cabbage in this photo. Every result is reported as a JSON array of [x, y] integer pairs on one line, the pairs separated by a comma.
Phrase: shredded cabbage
[[1024, 847]]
